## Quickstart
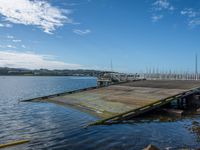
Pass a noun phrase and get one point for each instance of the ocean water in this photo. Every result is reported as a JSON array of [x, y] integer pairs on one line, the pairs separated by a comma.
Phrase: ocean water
[[50, 126]]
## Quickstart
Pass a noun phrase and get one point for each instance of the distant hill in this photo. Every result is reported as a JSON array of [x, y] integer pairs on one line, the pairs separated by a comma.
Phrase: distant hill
[[46, 72]]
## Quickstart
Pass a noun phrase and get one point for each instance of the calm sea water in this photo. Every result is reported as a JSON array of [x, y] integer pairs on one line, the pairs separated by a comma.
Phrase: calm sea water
[[50, 126]]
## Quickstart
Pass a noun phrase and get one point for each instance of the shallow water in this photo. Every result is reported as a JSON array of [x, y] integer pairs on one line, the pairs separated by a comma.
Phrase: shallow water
[[50, 126]]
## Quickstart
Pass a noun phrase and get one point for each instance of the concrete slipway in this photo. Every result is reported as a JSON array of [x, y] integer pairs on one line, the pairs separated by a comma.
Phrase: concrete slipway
[[117, 99]]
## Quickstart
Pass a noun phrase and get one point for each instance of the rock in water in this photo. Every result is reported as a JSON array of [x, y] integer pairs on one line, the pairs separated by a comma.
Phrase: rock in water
[[151, 147]]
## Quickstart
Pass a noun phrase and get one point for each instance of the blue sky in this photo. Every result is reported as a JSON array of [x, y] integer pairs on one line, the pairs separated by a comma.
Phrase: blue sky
[[88, 34]]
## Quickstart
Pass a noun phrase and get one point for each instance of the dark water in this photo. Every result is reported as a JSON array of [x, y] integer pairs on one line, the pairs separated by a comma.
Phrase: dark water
[[49, 126]]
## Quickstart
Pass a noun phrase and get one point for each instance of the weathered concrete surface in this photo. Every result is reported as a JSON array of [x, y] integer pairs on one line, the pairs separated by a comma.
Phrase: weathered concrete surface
[[166, 84], [115, 99]]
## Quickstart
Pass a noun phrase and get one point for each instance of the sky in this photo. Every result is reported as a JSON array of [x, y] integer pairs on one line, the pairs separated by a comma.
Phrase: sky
[[135, 35]]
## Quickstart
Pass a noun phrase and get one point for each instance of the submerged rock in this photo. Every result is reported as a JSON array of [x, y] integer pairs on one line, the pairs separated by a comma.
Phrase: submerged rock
[[195, 123]]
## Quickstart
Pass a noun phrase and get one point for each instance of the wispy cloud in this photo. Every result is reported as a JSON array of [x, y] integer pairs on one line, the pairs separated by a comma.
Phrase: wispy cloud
[[16, 41], [13, 39], [33, 61], [34, 12], [23, 46], [82, 32], [192, 15], [10, 37], [189, 12], [194, 22], [8, 46], [12, 42], [159, 7], [162, 5], [7, 25], [155, 18]]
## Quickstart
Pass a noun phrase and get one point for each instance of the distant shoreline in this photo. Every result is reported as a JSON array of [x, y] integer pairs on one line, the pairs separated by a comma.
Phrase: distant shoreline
[[5, 71], [47, 76]]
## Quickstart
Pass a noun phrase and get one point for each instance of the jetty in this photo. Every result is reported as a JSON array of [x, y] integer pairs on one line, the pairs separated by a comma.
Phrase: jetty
[[117, 102]]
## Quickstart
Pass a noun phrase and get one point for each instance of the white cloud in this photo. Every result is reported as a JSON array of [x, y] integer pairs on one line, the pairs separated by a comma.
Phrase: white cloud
[[5, 25], [194, 22], [10, 46], [82, 32], [16, 41], [193, 17], [34, 12], [8, 25], [162, 5], [189, 12], [33, 61], [23, 46], [155, 18], [7, 46], [13, 39], [10, 37]]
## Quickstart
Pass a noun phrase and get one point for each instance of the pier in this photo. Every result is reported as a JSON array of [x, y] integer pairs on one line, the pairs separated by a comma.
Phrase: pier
[[118, 102]]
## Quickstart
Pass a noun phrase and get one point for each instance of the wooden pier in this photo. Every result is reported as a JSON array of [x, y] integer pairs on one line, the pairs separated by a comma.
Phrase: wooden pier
[[118, 102]]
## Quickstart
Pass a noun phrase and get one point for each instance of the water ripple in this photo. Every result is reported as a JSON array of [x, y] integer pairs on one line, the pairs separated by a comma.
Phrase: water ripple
[[49, 126]]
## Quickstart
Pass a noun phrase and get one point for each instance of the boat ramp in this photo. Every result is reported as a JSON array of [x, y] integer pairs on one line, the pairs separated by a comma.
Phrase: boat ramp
[[127, 100]]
